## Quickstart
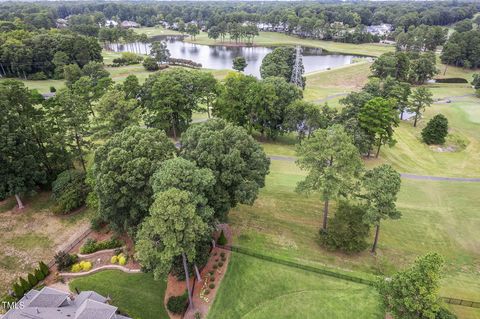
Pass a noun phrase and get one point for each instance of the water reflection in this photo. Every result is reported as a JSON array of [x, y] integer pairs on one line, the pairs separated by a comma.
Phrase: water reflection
[[220, 57]]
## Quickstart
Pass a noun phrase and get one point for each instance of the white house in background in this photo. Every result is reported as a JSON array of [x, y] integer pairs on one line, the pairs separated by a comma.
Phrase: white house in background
[[111, 23], [129, 24], [381, 29], [61, 23]]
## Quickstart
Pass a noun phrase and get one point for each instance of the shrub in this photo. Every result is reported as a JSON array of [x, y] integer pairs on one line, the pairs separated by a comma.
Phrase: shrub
[[222, 240], [206, 292], [43, 268], [96, 223], [211, 286], [91, 245], [212, 278], [451, 80], [25, 285], [86, 265], [76, 268], [114, 259], [82, 266], [64, 260], [53, 89], [150, 64], [220, 264], [436, 130], [215, 266], [211, 272], [69, 191], [122, 260], [222, 254], [347, 231], [37, 76], [177, 304], [32, 280], [444, 313], [39, 274], [18, 290], [197, 315]]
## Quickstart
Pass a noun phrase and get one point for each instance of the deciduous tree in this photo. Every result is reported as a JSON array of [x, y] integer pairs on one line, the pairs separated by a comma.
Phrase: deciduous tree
[[239, 63], [413, 293], [173, 229], [122, 170], [238, 163]]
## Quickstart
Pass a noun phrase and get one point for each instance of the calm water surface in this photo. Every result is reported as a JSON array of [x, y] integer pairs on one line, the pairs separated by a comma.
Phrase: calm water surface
[[220, 57]]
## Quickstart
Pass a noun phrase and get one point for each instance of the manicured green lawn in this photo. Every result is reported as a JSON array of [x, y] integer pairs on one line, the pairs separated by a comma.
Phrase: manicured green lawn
[[437, 216], [278, 39], [257, 289], [138, 295], [410, 155], [155, 31], [323, 84]]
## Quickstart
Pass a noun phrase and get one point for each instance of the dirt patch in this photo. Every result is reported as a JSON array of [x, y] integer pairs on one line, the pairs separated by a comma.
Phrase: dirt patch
[[443, 148]]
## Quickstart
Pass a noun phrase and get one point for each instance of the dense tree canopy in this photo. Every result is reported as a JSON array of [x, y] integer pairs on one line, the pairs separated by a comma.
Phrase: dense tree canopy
[[173, 228], [169, 99], [122, 169], [238, 163], [20, 166]]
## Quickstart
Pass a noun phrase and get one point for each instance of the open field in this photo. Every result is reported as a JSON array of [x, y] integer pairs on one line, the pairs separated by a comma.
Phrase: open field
[[437, 216], [256, 289], [278, 39], [410, 155], [33, 235], [331, 85], [138, 295], [155, 31]]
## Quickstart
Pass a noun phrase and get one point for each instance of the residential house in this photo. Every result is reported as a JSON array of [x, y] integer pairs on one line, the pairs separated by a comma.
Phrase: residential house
[[129, 24], [50, 303], [380, 30]]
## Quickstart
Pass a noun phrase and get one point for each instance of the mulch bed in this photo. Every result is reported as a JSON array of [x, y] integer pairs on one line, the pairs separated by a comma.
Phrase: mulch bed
[[201, 305]]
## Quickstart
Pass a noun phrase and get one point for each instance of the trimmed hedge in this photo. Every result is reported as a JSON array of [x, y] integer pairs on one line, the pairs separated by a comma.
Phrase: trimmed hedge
[[91, 245], [451, 80]]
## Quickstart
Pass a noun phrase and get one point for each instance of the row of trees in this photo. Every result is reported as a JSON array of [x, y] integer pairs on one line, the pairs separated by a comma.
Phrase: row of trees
[[335, 171], [89, 16], [24, 53], [236, 31], [412, 67], [462, 49], [420, 38]]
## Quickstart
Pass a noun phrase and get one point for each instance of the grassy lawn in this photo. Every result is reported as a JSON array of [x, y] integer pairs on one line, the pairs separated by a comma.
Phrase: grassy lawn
[[338, 81], [32, 235], [278, 39], [437, 216], [138, 295], [410, 155], [155, 31], [256, 289]]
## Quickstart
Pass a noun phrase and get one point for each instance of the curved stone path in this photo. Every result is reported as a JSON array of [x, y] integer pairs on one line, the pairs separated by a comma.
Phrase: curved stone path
[[95, 270], [404, 175]]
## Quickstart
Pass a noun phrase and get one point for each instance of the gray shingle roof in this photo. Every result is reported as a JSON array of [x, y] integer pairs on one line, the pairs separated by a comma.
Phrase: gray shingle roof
[[50, 303]]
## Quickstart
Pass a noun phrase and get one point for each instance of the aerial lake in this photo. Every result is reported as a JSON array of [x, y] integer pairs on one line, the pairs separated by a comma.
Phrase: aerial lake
[[220, 57]]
